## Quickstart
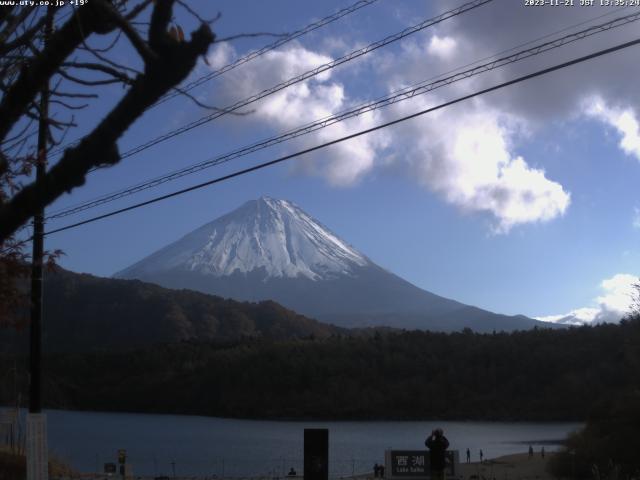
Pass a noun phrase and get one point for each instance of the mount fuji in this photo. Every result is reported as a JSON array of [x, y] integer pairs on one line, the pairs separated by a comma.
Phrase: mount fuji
[[270, 249]]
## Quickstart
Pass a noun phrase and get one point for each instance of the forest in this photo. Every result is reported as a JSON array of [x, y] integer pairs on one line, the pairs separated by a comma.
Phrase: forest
[[527, 375], [86, 313]]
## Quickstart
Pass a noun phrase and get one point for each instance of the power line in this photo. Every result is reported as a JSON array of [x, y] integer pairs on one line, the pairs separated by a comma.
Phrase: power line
[[304, 76], [255, 146], [354, 135], [308, 74], [267, 48], [395, 97], [252, 55]]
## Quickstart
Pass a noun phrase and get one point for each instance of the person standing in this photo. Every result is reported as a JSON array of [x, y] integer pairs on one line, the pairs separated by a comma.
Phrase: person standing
[[468, 456], [530, 451], [481, 455], [437, 444]]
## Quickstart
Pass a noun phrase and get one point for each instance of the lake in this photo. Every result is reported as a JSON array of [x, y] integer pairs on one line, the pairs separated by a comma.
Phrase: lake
[[158, 444]]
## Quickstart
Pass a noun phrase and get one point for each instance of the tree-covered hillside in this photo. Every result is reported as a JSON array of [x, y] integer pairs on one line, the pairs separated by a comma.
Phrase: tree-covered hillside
[[85, 313], [532, 375]]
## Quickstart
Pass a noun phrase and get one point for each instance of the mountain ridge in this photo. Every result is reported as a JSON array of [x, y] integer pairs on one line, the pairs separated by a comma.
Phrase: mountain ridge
[[272, 249], [257, 234], [85, 313]]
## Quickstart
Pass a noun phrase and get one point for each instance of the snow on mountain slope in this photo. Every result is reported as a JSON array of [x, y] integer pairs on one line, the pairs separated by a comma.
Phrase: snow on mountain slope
[[271, 250], [271, 235]]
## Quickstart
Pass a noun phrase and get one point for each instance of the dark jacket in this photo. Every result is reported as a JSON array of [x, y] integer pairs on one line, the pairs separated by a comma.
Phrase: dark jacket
[[437, 446]]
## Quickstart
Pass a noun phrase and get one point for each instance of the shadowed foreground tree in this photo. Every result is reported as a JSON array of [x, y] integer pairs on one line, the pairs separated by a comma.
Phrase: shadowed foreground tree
[[607, 447], [76, 69]]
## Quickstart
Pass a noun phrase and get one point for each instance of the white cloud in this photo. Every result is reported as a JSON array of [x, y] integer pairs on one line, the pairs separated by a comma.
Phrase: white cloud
[[619, 291], [543, 103], [465, 155], [490, 30], [221, 54], [305, 102], [615, 302], [624, 120], [443, 47], [267, 70]]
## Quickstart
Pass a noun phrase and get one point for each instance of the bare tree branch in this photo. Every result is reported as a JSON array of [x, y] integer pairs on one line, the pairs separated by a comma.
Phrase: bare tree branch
[[138, 43], [57, 142], [68, 105], [18, 135], [61, 44], [174, 62], [208, 107], [104, 49], [138, 9], [196, 15], [160, 18], [123, 77], [89, 83], [9, 147], [35, 113], [4, 164], [57, 93], [104, 59], [13, 23], [211, 107], [25, 66], [5, 13], [22, 40]]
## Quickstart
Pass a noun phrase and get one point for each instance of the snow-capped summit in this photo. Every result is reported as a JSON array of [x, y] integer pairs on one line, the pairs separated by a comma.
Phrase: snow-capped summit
[[270, 249], [274, 237]]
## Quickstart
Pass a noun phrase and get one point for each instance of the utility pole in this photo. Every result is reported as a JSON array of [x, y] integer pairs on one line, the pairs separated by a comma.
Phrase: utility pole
[[37, 454]]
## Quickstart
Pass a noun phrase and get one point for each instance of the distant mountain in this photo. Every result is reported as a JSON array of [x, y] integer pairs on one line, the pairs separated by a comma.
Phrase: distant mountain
[[271, 249], [83, 313], [267, 237]]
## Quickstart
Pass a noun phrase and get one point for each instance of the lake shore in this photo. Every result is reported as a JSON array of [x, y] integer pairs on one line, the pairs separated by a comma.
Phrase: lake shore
[[206, 446], [517, 466], [509, 467]]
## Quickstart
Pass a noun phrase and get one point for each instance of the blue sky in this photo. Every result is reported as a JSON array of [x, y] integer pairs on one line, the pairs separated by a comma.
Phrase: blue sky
[[521, 201]]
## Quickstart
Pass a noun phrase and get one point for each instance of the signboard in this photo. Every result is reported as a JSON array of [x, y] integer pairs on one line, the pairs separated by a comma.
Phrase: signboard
[[408, 464], [414, 464], [37, 456]]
